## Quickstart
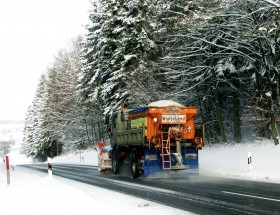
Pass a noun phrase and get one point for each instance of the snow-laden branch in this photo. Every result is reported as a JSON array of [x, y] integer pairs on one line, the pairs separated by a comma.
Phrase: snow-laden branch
[[273, 3], [173, 94], [224, 47]]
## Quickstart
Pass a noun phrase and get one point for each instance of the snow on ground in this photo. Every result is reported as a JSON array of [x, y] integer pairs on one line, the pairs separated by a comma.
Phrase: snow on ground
[[232, 161], [33, 192]]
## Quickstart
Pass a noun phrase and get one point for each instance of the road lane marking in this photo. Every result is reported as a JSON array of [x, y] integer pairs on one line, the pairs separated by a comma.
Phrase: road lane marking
[[256, 197], [143, 187]]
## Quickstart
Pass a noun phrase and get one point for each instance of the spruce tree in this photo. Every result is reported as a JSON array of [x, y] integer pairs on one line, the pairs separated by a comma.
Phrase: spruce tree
[[117, 52]]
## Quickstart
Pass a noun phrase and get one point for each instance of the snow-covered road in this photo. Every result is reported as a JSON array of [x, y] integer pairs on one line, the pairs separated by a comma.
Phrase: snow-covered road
[[198, 194]]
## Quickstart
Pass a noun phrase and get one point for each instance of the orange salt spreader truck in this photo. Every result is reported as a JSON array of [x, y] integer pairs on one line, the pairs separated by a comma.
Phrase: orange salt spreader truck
[[154, 138]]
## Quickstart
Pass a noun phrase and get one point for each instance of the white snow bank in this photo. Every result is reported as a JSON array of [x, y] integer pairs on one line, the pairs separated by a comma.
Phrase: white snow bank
[[232, 161], [32, 192], [88, 157], [16, 158]]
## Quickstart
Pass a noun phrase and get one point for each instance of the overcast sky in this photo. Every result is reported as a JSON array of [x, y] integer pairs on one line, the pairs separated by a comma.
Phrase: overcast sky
[[32, 32]]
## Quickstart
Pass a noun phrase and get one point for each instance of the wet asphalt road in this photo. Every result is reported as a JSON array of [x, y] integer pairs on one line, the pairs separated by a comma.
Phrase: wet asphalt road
[[197, 194]]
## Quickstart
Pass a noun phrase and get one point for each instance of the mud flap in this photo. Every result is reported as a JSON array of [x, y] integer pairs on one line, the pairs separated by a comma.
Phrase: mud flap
[[190, 159], [152, 162]]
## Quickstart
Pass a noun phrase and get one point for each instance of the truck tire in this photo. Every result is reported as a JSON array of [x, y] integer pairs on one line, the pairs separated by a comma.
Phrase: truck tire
[[134, 169], [115, 162], [115, 166], [134, 166]]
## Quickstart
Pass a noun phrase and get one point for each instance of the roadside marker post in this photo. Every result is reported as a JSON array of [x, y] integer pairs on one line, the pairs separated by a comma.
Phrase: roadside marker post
[[50, 167], [249, 161], [8, 169]]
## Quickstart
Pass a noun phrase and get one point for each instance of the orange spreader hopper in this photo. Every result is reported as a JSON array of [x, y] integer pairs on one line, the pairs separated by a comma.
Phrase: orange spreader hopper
[[157, 115]]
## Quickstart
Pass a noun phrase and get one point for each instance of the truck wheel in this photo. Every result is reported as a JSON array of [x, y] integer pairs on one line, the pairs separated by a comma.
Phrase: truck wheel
[[115, 161], [134, 166], [115, 166], [134, 169]]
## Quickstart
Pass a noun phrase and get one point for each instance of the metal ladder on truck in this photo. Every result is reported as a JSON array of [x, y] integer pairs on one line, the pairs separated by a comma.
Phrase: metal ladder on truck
[[165, 150]]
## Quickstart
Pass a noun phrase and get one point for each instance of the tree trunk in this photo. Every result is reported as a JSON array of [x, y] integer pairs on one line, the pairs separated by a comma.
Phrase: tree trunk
[[278, 94], [273, 120], [217, 103], [236, 112], [205, 131], [236, 118], [274, 129], [87, 132], [219, 116], [273, 123], [262, 127]]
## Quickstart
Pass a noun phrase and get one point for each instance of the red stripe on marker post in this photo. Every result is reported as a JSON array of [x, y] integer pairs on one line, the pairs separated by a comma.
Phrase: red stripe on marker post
[[8, 169], [7, 163]]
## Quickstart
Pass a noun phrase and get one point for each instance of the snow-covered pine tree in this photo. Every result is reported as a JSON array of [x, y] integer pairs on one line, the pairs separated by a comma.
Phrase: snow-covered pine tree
[[32, 139], [117, 52], [67, 121], [57, 121]]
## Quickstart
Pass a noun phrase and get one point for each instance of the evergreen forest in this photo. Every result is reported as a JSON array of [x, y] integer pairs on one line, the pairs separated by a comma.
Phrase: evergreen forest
[[222, 56]]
